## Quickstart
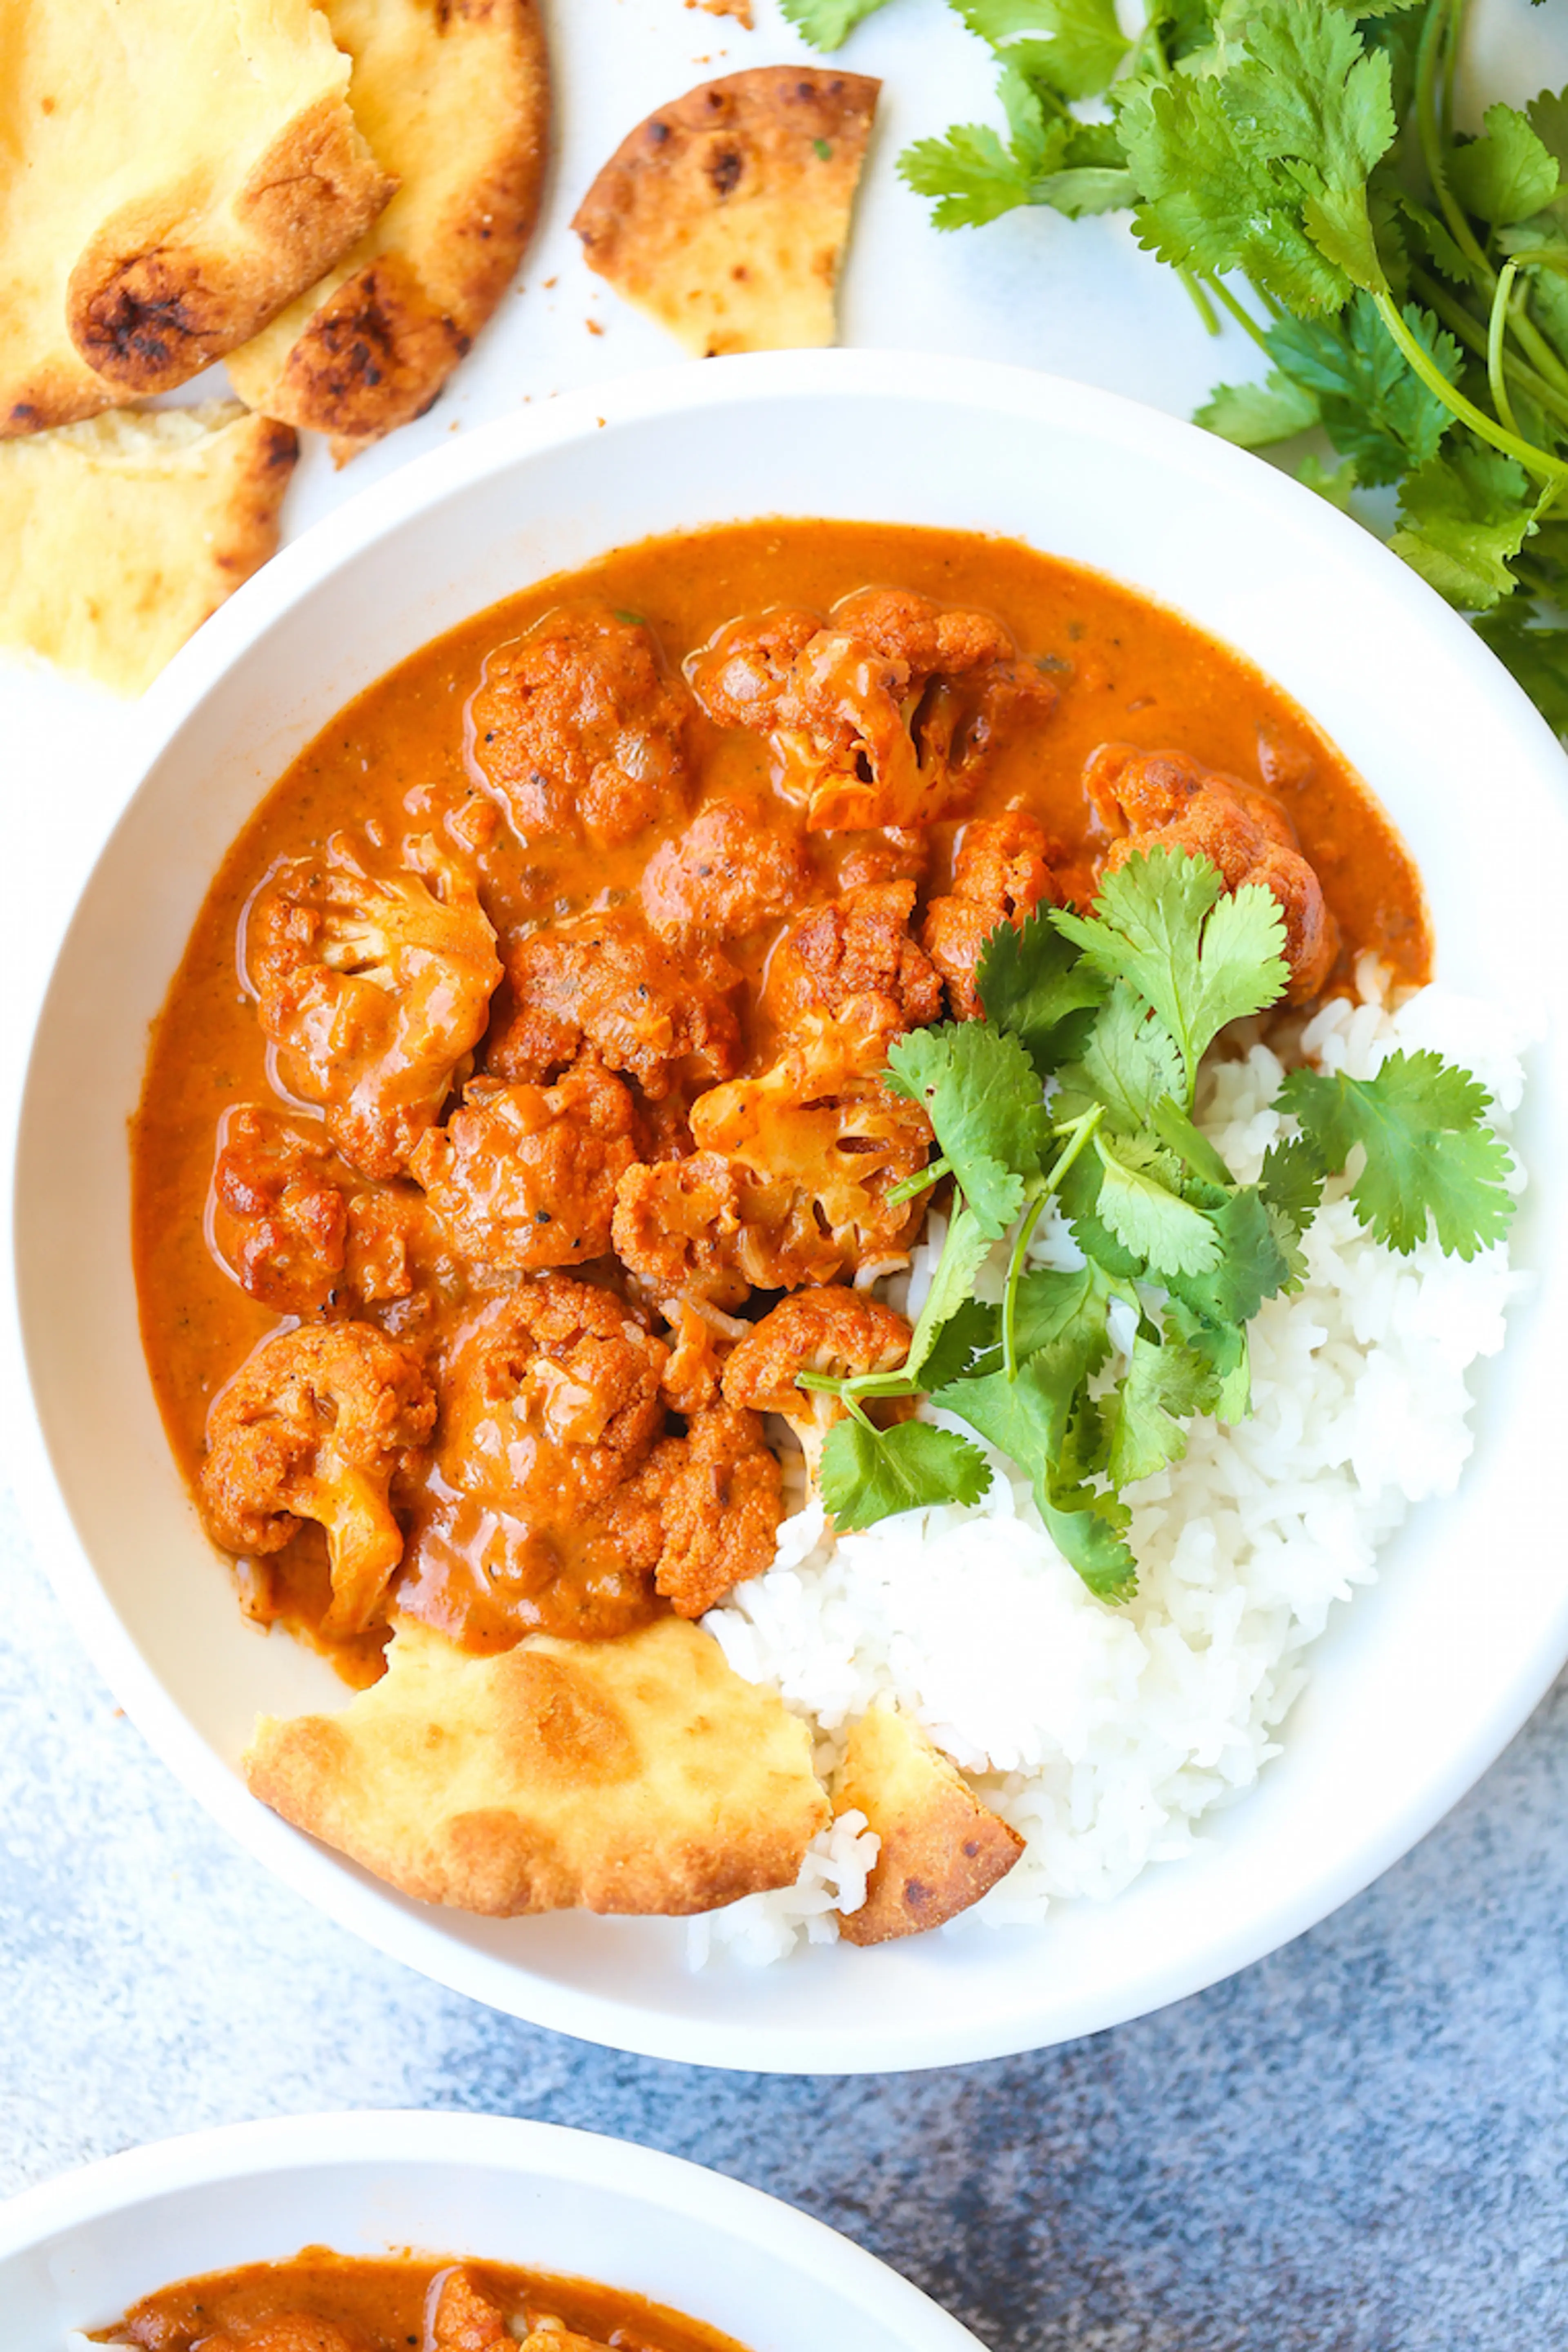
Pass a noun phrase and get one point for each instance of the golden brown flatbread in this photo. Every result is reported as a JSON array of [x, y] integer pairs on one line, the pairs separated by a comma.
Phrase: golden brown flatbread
[[942, 1849], [638, 1775], [454, 97], [120, 535], [725, 215], [174, 175]]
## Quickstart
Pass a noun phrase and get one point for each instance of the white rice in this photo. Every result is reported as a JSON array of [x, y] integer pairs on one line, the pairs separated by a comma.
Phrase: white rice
[[1105, 1734]]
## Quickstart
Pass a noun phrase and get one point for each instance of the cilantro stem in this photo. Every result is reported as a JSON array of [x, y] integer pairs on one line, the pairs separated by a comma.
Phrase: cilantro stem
[[1470, 331], [1079, 1131], [1439, 28], [933, 1174], [1496, 327], [1200, 301], [1485, 428], [1238, 311]]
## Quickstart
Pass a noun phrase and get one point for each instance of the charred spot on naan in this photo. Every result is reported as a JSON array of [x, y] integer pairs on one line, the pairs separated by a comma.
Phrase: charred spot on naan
[[725, 215], [637, 1775], [941, 1848]]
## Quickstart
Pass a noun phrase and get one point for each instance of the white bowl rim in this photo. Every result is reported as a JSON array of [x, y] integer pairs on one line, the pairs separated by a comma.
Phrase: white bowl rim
[[385, 2137], [312, 1871]]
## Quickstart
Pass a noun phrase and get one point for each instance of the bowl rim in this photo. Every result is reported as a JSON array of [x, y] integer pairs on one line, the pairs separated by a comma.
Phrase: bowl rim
[[375, 1913], [395, 2137]]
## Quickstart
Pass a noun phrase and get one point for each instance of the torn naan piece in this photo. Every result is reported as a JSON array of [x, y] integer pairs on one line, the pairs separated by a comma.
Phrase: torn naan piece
[[942, 1849], [455, 100], [636, 1774], [725, 215], [120, 535], [174, 174]]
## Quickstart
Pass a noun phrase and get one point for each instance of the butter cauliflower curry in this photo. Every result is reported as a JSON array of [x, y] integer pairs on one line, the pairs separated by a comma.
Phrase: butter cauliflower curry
[[483, 1230]]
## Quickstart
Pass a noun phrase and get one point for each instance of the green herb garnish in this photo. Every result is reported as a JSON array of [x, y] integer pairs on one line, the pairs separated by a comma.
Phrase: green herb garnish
[[1078, 1088], [1409, 284]]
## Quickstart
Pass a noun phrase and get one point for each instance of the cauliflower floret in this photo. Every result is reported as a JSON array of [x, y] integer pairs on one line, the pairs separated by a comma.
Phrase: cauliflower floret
[[897, 853], [885, 715], [579, 732], [277, 1213], [549, 1406], [696, 1366], [313, 1427], [858, 945], [705, 1228], [466, 2319], [838, 1333], [1165, 800], [737, 866], [1001, 874], [524, 1177], [720, 1497], [659, 1011], [373, 987], [822, 1121]]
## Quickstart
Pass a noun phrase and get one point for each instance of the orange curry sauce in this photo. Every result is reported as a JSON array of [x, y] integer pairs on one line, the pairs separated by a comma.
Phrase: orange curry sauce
[[342, 2303], [395, 762]]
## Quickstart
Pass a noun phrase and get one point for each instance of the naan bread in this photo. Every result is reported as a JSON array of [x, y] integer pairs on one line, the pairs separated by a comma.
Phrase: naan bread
[[725, 215], [174, 175], [942, 1849], [454, 97], [120, 535], [637, 1775]]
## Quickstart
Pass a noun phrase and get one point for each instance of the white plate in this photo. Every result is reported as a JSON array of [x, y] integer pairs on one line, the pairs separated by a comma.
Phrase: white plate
[[1416, 1688], [77, 2252]]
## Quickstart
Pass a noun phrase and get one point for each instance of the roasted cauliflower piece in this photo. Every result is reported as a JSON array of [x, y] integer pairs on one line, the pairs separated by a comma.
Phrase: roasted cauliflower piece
[[1151, 800], [858, 945], [277, 1211], [941, 1848], [313, 1427], [705, 1228], [466, 2319], [836, 1332], [549, 1406], [579, 732], [888, 714], [1002, 873], [373, 987], [897, 853], [696, 1366], [659, 1012], [523, 1177], [737, 867], [720, 1497], [822, 1121]]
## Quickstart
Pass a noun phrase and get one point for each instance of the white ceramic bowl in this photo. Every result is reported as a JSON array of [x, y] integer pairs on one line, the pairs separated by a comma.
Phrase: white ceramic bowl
[[1416, 1688], [77, 2252]]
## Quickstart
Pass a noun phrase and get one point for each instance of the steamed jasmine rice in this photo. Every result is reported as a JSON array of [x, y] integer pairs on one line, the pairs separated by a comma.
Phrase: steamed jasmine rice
[[1105, 1734]]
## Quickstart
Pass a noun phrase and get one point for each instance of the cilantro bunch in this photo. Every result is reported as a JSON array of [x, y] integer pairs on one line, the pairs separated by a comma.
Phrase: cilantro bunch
[[1077, 1088], [1296, 160]]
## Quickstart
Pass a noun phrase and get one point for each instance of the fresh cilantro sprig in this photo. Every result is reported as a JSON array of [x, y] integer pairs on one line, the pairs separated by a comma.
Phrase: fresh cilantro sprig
[[1405, 285], [1077, 1090]]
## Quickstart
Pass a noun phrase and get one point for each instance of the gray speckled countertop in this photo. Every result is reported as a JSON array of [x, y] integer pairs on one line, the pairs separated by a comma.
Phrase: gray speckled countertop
[[1361, 2144]]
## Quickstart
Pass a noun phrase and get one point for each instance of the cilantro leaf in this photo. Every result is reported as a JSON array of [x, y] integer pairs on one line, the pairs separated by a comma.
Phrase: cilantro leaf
[[1147, 1216], [1075, 46], [1130, 1062], [1025, 1418], [827, 23], [1090, 1530], [1508, 174], [1292, 1181], [1222, 1347], [1537, 656], [1060, 1309], [1165, 1384], [1254, 416], [1334, 484], [970, 1331], [979, 1089], [1428, 1154], [1251, 1267], [1197, 963], [970, 174], [1461, 518], [870, 1474], [962, 1254], [1036, 983], [1373, 406]]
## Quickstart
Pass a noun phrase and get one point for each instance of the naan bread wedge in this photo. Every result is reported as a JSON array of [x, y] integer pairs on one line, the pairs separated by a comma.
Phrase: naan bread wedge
[[638, 1775], [725, 215], [174, 175], [942, 1849], [120, 535], [454, 97]]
